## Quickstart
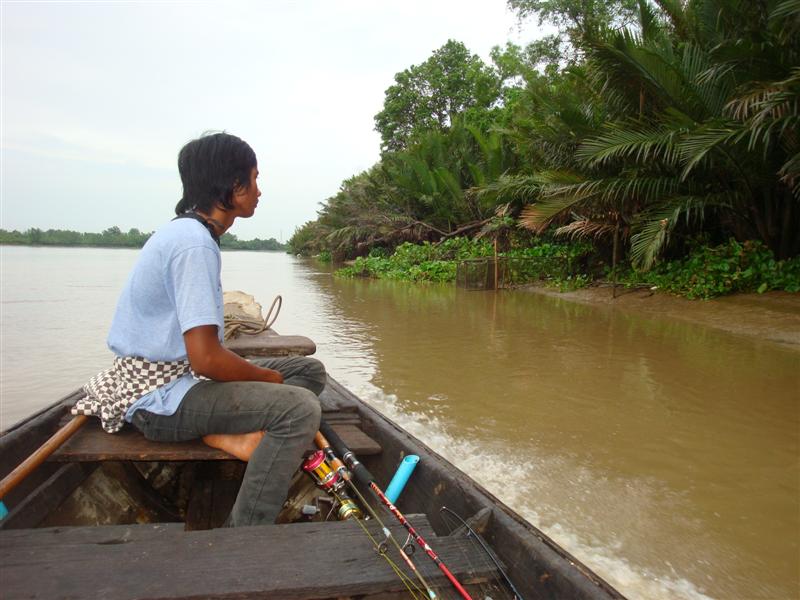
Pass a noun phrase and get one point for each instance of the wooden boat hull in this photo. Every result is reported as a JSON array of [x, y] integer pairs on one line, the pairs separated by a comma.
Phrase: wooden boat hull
[[46, 533]]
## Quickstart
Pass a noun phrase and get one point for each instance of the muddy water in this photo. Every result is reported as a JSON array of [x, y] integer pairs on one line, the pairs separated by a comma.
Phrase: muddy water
[[662, 453], [666, 453]]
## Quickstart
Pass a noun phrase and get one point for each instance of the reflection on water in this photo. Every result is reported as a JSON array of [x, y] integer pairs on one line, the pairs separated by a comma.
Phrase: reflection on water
[[663, 454]]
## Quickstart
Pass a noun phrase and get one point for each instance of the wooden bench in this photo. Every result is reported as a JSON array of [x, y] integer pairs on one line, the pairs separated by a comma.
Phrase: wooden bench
[[301, 560], [269, 343], [92, 444]]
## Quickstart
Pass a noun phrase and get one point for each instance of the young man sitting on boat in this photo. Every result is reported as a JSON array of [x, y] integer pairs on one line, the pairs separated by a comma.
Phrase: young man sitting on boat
[[172, 378]]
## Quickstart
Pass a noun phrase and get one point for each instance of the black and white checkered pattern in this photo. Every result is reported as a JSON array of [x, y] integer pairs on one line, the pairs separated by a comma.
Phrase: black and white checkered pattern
[[109, 394]]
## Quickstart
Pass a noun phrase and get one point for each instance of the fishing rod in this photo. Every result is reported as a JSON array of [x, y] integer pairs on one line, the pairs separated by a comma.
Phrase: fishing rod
[[324, 445], [486, 549], [330, 480], [362, 474]]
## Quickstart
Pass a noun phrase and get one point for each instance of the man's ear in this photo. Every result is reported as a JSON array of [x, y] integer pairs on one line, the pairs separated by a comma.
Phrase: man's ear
[[238, 188]]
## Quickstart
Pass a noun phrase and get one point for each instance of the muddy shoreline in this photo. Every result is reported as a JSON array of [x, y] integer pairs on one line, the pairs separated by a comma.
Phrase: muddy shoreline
[[772, 316]]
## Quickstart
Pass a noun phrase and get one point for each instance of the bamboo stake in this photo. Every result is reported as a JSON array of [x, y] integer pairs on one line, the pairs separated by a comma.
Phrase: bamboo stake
[[495, 264], [614, 260]]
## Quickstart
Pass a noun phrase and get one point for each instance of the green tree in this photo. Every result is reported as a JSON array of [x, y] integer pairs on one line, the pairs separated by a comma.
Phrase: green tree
[[578, 21], [430, 95], [35, 235]]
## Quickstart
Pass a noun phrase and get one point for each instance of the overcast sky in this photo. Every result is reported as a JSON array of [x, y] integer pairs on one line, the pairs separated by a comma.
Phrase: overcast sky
[[98, 97]]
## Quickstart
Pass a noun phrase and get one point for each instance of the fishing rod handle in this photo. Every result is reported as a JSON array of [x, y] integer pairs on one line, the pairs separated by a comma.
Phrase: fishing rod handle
[[323, 444], [360, 472]]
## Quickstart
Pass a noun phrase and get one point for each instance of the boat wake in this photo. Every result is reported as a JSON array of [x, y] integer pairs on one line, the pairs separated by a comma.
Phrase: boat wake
[[553, 496]]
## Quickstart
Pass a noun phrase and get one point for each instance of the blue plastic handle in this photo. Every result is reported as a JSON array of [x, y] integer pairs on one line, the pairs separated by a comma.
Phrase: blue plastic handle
[[407, 466], [3, 510]]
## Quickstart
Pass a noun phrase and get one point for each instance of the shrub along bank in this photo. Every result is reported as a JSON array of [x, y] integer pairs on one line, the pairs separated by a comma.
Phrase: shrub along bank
[[706, 271]]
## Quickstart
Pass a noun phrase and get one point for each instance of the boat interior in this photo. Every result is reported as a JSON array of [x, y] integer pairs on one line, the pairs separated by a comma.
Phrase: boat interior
[[102, 500], [118, 516]]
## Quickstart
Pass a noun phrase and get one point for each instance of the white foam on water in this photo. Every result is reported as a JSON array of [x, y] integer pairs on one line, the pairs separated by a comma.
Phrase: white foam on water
[[519, 480]]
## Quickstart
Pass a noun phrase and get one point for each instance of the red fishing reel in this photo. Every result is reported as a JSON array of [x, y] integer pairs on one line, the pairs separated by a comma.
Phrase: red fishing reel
[[321, 472], [327, 479]]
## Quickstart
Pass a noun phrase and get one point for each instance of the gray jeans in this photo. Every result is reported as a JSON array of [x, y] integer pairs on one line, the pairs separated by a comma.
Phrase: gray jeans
[[288, 412]]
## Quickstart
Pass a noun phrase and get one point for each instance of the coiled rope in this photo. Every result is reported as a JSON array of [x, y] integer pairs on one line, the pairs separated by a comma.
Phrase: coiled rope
[[236, 324]]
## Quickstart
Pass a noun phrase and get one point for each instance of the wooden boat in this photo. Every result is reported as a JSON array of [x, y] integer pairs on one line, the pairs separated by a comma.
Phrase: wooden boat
[[116, 516]]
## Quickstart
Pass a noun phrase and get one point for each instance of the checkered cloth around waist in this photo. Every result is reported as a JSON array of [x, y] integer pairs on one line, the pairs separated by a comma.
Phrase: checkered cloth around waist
[[110, 394]]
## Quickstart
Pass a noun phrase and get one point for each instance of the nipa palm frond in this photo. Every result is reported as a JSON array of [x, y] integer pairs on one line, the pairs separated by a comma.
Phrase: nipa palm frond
[[709, 84], [565, 192], [651, 229], [586, 228], [790, 174], [695, 147], [628, 187], [787, 13], [652, 236], [511, 187], [630, 140]]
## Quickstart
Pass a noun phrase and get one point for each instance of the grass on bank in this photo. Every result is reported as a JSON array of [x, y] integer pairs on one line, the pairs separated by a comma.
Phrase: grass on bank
[[706, 272]]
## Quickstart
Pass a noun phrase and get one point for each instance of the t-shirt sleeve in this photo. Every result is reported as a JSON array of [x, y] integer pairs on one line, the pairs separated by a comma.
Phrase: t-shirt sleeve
[[197, 289]]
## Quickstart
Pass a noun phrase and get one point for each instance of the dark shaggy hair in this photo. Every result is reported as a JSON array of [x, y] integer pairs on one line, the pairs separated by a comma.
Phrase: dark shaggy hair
[[211, 168]]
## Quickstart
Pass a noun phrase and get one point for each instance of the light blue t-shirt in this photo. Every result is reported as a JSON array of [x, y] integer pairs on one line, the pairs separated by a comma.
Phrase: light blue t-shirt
[[174, 286]]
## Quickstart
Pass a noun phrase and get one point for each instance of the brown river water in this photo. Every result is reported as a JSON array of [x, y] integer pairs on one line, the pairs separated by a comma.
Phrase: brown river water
[[663, 453]]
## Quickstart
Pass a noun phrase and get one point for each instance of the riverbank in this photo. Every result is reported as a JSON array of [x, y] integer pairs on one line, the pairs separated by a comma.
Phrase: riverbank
[[772, 316]]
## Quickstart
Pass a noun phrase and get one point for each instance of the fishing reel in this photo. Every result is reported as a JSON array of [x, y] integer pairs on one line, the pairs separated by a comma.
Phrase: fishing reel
[[329, 480]]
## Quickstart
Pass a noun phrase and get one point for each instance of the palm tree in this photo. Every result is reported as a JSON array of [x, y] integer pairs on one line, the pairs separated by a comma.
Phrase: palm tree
[[692, 137]]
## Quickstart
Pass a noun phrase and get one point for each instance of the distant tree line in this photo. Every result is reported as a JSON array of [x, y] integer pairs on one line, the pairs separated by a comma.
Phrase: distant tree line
[[230, 242], [114, 237]]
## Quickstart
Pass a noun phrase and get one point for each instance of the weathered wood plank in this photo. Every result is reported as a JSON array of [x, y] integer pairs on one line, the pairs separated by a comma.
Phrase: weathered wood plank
[[357, 439], [21, 440], [198, 513], [41, 501], [211, 502], [110, 535], [340, 397], [334, 402], [302, 560], [268, 343], [92, 444], [107, 535]]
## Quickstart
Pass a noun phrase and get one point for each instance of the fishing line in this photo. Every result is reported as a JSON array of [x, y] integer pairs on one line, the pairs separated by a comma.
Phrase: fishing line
[[477, 539], [340, 468], [402, 550], [363, 475], [381, 550]]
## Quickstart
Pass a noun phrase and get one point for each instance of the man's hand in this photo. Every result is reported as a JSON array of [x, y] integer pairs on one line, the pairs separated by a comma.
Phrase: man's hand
[[209, 358]]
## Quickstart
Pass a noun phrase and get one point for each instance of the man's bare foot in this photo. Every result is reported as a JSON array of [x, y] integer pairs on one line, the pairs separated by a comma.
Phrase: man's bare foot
[[240, 445]]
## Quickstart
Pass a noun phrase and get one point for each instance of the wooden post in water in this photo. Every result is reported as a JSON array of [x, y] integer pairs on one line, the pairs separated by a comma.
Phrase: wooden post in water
[[495, 264], [614, 261]]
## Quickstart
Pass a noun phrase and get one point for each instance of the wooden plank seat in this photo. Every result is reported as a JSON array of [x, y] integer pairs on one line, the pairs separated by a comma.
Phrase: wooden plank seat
[[300, 560], [269, 343], [91, 444]]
